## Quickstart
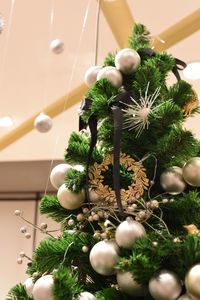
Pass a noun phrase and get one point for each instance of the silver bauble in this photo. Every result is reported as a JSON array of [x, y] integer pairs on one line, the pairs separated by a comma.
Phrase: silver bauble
[[91, 75], [104, 257], [112, 75], [192, 281], [127, 60], [42, 289], [57, 46], [129, 285], [165, 285], [86, 296], [58, 173], [2, 23], [94, 197], [191, 171], [69, 199], [128, 232], [43, 123], [184, 297], [29, 284], [172, 181]]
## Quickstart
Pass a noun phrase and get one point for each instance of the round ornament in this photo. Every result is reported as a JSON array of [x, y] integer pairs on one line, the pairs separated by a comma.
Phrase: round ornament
[[128, 232], [129, 285], [2, 23], [165, 285], [28, 283], [58, 173], [191, 171], [42, 289], [69, 199], [127, 60], [57, 46], [184, 297], [192, 282], [43, 123], [86, 296], [91, 75], [172, 181], [79, 168], [112, 75], [104, 256], [136, 188], [94, 197]]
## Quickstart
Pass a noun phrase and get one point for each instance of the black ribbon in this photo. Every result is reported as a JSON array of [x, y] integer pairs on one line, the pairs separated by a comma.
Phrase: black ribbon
[[179, 64]]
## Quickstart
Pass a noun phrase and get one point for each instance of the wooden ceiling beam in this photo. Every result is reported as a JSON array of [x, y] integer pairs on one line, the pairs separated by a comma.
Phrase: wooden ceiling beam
[[120, 20], [178, 31]]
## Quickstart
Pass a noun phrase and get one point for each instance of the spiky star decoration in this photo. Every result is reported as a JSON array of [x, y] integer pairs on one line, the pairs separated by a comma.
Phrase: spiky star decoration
[[137, 114]]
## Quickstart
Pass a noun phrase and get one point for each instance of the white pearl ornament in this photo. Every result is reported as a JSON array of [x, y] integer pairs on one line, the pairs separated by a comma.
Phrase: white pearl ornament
[[128, 232], [184, 297], [112, 75], [172, 180], [69, 199], [192, 282], [58, 173], [127, 60], [43, 123], [129, 285], [165, 286], [28, 283], [104, 256], [57, 46], [42, 289], [91, 75], [191, 171]]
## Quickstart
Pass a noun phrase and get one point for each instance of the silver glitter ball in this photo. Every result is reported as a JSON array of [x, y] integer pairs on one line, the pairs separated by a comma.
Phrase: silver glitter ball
[[172, 181], [192, 281], [129, 285], [43, 123], [91, 75], [165, 285], [128, 232], [104, 257], [57, 46], [191, 171], [112, 75]]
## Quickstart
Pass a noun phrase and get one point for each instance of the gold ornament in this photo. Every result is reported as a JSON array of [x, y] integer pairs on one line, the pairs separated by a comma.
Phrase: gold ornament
[[134, 191], [190, 105], [192, 229]]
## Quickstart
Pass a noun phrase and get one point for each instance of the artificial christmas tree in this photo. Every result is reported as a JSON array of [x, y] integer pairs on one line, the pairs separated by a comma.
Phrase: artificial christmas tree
[[128, 198]]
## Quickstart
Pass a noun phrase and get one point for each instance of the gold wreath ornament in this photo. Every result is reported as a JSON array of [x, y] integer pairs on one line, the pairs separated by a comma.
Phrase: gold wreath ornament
[[133, 192]]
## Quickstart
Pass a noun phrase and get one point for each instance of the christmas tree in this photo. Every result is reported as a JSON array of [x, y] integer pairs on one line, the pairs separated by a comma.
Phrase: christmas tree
[[128, 199]]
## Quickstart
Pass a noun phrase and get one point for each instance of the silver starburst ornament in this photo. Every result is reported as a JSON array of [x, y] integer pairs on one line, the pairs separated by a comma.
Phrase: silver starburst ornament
[[137, 114]]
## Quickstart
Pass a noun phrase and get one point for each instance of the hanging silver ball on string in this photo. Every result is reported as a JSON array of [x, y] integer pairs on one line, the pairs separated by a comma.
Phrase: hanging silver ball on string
[[128, 232], [57, 46], [104, 256], [43, 123], [192, 282], [127, 60], [165, 285], [172, 180], [91, 75], [112, 75], [191, 171], [129, 285], [2, 24]]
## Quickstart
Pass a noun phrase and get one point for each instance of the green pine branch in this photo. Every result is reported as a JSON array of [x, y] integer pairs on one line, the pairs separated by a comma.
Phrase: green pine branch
[[140, 37], [50, 206], [18, 292]]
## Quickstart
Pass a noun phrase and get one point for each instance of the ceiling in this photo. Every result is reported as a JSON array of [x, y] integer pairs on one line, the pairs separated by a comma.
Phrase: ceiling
[[32, 77]]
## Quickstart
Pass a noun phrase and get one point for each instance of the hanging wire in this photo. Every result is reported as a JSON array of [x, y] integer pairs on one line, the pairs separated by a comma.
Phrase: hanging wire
[[97, 33], [85, 18], [7, 37]]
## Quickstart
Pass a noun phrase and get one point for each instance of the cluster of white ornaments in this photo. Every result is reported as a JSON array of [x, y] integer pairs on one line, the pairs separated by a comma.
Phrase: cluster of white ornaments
[[126, 62], [175, 179], [67, 199]]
